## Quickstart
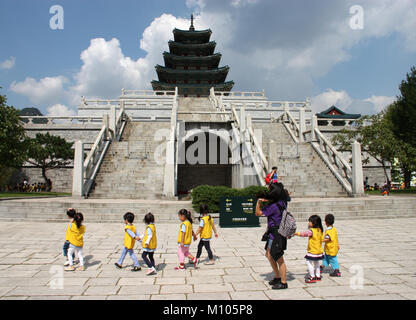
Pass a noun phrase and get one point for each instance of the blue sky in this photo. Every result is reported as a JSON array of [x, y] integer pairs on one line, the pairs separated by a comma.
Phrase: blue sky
[[321, 58]]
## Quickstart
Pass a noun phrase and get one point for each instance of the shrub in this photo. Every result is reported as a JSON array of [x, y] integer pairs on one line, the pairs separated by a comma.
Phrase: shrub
[[211, 195]]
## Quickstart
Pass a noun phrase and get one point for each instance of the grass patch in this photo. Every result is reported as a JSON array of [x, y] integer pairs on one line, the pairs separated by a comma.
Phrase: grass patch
[[32, 194]]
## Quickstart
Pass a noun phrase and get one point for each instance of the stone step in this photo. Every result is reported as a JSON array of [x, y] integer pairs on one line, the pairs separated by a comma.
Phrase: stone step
[[106, 210]]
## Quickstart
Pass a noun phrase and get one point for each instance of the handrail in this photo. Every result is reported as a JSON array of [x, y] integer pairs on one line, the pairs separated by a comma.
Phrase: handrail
[[255, 151], [258, 148], [328, 144], [96, 155], [332, 158]]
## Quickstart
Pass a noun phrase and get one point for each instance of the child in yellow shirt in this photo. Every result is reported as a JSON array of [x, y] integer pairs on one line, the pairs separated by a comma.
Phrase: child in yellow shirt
[[149, 243], [315, 252], [76, 242], [130, 238], [331, 246], [71, 214], [185, 238], [205, 229]]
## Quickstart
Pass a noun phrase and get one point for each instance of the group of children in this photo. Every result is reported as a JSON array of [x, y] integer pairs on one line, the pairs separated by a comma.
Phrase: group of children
[[75, 233], [315, 252]]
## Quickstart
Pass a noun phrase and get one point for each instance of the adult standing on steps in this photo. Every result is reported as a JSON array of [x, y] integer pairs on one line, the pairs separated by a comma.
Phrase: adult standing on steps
[[271, 177], [275, 203]]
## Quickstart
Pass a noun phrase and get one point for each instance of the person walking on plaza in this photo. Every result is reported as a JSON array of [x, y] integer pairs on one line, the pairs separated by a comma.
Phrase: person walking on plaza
[[71, 214], [130, 238], [206, 226], [149, 243], [274, 205], [76, 242], [331, 247], [315, 252], [185, 238]]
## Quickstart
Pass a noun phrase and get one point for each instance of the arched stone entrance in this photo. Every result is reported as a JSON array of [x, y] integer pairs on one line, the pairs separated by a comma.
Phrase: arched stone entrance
[[204, 158]]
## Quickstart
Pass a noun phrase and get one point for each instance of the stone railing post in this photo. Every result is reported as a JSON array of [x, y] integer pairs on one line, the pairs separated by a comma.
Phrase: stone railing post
[[357, 170], [78, 172], [121, 106], [314, 125], [302, 123], [112, 124], [243, 120], [286, 111], [105, 124]]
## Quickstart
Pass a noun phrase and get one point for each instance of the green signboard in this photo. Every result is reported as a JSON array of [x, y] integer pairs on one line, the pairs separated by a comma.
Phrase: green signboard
[[238, 212]]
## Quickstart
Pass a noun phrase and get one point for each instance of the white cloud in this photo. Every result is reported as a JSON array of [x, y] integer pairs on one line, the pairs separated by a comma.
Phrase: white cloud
[[342, 100], [106, 70], [60, 110], [48, 90], [268, 45], [380, 102], [329, 98], [282, 46], [8, 63]]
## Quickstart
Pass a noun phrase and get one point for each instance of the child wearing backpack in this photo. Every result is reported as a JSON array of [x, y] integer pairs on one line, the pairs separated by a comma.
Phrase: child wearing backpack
[[315, 252], [331, 247]]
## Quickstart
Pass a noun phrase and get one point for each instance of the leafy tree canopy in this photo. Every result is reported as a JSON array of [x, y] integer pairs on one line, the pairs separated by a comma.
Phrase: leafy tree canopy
[[49, 152], [13, 143]]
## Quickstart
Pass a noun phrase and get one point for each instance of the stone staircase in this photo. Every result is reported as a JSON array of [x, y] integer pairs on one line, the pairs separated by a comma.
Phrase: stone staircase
[[198, 110], [134, 167], [300, 168]]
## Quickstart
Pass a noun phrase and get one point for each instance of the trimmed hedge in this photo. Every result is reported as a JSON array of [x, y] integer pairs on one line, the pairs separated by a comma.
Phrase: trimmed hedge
[[211, 195]]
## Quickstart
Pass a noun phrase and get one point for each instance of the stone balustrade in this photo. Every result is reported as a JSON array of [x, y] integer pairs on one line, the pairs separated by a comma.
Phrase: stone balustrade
[[147, 93], [51, 120], [240, 94]]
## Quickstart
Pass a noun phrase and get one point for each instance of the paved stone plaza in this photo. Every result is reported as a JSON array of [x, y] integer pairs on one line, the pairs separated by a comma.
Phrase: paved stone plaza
[[30, 259]]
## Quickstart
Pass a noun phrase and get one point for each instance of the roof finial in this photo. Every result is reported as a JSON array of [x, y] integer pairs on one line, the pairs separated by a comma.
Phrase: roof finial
[[191, 28]]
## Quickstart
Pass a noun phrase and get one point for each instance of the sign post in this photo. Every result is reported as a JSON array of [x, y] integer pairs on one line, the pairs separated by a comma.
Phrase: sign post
[[238, 212]]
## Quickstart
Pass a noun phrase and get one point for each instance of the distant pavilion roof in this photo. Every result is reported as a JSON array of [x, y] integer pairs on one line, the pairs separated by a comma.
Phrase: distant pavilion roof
[[192, 36], [335, 113], [202, 49], [173, 60]]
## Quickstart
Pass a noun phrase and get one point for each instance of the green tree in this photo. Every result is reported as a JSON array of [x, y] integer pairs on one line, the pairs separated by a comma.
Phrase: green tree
[[13, 143], [49, 152], [406, 151], [376, 139], [403, 115]]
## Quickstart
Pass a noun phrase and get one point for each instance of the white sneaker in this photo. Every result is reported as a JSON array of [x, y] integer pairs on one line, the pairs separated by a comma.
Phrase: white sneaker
[[66, 263], [151, 271]]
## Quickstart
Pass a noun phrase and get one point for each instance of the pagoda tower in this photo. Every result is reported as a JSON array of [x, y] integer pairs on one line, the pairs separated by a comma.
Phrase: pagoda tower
[[191, 65]]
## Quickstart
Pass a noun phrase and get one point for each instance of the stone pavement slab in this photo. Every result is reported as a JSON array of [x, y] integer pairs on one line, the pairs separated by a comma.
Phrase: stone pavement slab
[[31, 266]]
